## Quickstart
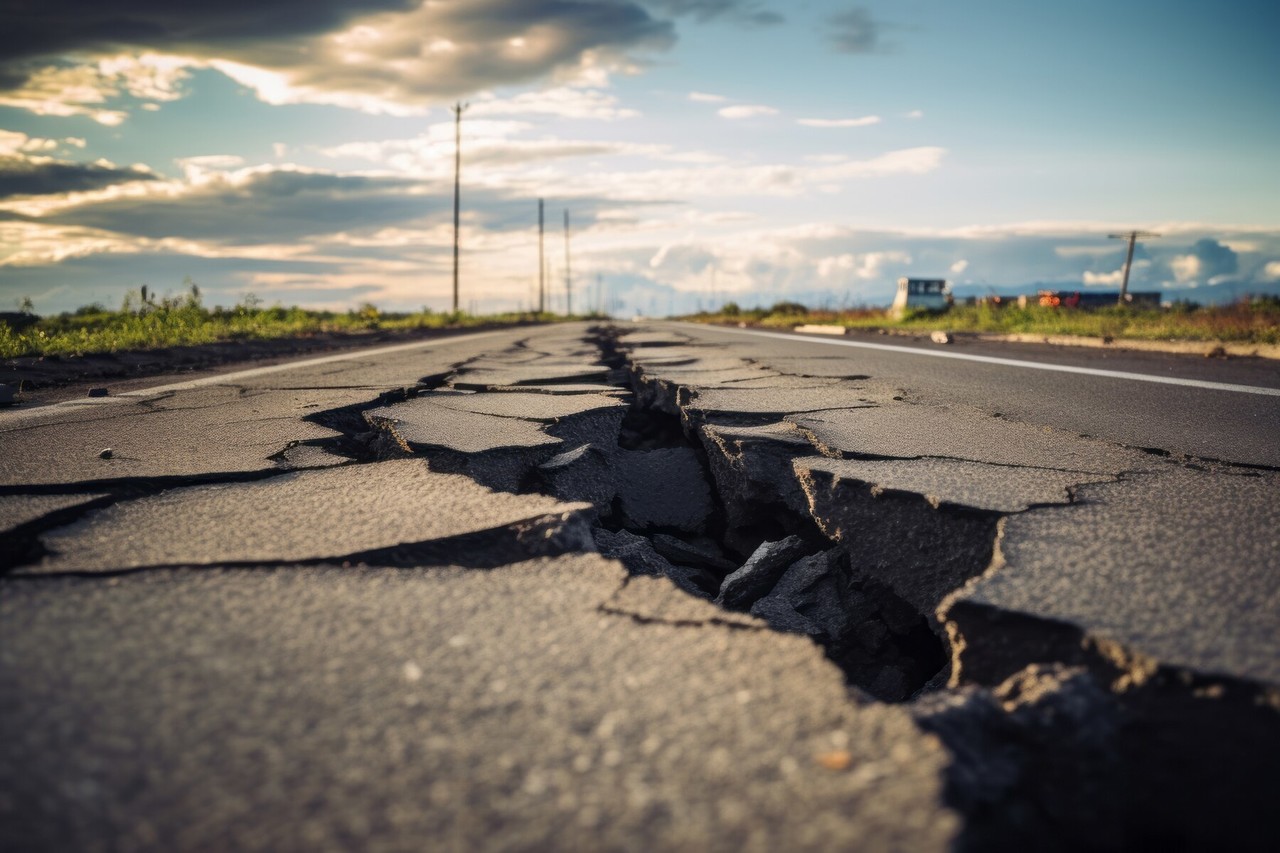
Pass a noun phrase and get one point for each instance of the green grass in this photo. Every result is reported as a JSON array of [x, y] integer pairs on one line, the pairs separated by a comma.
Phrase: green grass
[[1254, 321], [143, 324]]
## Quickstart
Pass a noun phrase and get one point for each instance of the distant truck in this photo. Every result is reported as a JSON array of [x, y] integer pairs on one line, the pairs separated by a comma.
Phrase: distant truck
[[930, 294]]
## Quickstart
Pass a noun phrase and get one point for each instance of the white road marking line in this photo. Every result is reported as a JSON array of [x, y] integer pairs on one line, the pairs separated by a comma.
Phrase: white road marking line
[[19, 417], [1010, 362]]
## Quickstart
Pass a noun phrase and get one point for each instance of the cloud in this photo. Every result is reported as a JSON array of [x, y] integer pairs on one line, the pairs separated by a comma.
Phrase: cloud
[[959, 267], [704, 98], [561, 101], [1271, 272], [854, 31], [865, 121], [746, 111], [738, 11], [375, 55], [1204, 261], [53, 27], [1098, 279], [867, 266], [27, 170], [254, 206], [914, 114]]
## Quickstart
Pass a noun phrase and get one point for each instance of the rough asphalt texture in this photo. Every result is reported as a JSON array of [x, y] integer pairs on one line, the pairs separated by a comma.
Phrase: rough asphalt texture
[[355, 605]]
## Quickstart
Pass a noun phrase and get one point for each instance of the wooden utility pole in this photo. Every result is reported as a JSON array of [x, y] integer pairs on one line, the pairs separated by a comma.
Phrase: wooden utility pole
[[568, 282], [457, 110], [542, 262], [1132, 237]]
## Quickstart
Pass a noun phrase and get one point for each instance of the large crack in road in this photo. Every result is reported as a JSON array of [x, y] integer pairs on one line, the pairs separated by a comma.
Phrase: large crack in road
[[957, 563]]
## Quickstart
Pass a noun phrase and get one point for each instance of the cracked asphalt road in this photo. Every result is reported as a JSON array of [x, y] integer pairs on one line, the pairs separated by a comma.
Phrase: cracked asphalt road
[[462, 594]]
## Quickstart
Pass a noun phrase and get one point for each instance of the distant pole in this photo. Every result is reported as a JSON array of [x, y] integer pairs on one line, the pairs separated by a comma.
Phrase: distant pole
[[542, 263], [568, 282], [1132, 237], [458, 110]]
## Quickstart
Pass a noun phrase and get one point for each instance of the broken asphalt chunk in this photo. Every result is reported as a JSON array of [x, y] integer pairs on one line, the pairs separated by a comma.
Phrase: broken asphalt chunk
[[904, 431], [704, 554], [808, 599], [424, 422], [1173, 569], [993, 488], [760, 574], [363, 512], [639, 556]]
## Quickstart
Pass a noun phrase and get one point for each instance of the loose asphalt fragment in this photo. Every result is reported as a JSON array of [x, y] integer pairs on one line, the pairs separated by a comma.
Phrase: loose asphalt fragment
[[760, 573]]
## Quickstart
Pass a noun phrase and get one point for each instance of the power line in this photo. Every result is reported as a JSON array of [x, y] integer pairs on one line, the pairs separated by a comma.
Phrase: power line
[[1132, 237]]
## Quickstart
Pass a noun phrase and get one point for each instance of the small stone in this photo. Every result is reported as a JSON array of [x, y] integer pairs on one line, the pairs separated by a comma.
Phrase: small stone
[[940, 337], [836, 760], [98, 392], [106, 453]]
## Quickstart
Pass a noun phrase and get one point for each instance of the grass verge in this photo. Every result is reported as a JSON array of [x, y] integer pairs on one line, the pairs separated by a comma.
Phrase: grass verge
[[1255, 321], [143, 324]]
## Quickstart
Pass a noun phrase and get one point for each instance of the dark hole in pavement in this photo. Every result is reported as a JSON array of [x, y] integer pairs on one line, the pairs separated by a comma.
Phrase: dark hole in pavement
[[807, 585]]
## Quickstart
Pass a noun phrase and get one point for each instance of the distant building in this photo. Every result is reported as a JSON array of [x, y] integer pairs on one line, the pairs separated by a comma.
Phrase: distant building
[[1097, 298], [927, 293]]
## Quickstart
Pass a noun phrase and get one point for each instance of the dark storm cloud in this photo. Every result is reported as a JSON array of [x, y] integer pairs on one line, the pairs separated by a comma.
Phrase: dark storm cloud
[[854, 31], [21, 176], [51, 27], [268, 207], [706, 10], [284, 206], [417, 51]]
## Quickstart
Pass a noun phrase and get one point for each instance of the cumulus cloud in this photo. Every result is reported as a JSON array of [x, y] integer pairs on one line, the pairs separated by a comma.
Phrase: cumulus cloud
[[706, 98], [376, 55], [867, 266], [1271, 271], [959, 267], [854, 31], [864, 121], [1101, 279], [1204, 261], [740, 111]]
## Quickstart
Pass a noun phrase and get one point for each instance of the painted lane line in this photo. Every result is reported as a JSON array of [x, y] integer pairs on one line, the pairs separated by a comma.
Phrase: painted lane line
[[1012, 362], [20, 418]]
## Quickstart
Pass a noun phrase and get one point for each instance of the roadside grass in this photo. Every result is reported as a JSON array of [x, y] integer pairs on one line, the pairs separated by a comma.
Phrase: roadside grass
[[1255, 321], [148, 323]]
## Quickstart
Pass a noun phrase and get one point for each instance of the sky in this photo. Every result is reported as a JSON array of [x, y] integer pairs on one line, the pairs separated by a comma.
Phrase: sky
[[302, 151]]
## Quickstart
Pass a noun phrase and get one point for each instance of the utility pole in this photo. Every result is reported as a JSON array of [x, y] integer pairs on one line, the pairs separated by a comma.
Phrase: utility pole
[[542, 263], [458, 109], [568, 282], [1132, 237]]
